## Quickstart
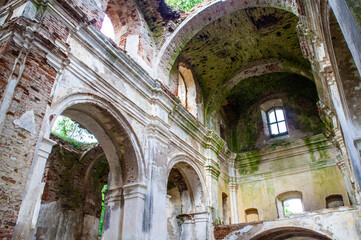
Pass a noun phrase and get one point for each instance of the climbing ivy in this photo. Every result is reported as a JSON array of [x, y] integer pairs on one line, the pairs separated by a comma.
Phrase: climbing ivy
[[185, 5]]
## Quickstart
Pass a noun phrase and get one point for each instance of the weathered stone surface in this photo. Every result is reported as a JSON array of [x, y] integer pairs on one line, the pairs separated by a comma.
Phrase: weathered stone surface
[[180, 158]]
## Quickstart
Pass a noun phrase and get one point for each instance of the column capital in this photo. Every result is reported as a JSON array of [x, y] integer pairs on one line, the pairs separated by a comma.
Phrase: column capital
[[134, 190], [45, 147], [212, 168], [113, 194]]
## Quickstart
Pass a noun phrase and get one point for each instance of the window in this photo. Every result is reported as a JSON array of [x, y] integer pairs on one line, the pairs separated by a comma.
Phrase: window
[[107, 27], [292, 206], [187, 90], [277, 121], [252, 215], [334, 201], [289, 203]]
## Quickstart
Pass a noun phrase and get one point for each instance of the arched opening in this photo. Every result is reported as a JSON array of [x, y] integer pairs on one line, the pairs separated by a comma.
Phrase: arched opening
[[108, 28], [76, 176], [225, 209], [187, 91], [334, 201], [252, 215], [131, 32], [290, 233], [186, 203], [289, 203]]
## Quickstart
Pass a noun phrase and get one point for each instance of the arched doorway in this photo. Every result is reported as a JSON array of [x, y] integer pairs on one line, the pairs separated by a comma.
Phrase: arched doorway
[[187, 218], [119, 165]]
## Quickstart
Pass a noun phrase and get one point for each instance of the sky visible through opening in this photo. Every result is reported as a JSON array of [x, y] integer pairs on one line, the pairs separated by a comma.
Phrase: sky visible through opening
[[293, 205], [107, 28], [64, 127]]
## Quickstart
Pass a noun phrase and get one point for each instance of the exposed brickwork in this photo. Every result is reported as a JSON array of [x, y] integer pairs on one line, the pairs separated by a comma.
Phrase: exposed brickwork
[[17, 145], [52, 29], [8, 53], [65, 174], [221, 231]]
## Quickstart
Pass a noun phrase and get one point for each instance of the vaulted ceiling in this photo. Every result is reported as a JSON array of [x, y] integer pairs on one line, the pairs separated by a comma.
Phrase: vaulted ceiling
[[250, 43]]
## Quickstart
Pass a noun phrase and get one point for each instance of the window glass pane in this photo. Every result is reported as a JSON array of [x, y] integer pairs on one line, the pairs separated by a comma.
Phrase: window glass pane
[[282, 127], [280, 115], [292, 205], [274, 129], [271, 116]]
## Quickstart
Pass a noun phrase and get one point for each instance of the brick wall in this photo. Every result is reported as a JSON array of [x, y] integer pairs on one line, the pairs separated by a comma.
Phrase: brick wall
[[16, 144]]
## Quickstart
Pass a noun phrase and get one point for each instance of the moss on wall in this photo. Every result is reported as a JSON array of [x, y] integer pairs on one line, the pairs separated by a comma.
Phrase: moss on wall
[[240, 39], [243, 111]]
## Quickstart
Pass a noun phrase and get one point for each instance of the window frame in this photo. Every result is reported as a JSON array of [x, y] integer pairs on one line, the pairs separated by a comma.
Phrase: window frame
[[277, 122]]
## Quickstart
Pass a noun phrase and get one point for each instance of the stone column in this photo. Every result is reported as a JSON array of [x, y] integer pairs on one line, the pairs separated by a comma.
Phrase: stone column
[[214, 146], [133, 212], [186, 225], [201, 221], [234, 207], [30, 205], [113, 214], [156, 203]]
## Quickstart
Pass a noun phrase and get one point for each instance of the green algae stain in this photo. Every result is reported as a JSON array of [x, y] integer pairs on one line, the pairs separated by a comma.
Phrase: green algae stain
[[250, 162]]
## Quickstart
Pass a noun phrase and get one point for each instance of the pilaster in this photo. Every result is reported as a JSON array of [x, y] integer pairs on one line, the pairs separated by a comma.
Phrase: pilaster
[[30, 205], [133, 213]]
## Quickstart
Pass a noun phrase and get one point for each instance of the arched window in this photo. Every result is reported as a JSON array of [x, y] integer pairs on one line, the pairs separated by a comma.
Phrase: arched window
[[187, 90], [277, 121], [334, 201], [107, 27], [252, 215], [289, 203]]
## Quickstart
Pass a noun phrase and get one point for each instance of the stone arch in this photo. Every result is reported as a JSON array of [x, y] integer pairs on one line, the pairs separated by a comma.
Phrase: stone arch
[[186, 215], [131, 31], [187, 91], [199, 19], [193, 173], [124, 197], [289, 232], [272, 232], [91, 112], [254, 69]]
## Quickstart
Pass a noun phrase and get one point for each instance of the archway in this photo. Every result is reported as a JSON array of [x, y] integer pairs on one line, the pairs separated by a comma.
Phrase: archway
[[124, 198], [290, 233], [186, 203], [198, 20]]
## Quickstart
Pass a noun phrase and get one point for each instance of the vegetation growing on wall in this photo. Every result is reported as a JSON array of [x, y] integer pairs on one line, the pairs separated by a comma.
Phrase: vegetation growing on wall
[[185, 5], [243, 111]]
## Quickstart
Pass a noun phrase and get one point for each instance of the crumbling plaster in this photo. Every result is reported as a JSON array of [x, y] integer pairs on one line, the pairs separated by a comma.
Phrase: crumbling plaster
[[117, 98]]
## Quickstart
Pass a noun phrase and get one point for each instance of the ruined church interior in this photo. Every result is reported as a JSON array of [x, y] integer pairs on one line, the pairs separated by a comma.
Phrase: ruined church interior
[[192, 120]]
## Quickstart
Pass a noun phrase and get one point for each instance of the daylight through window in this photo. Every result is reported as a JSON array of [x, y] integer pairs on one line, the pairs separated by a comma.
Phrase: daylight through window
[[292, 205], [277, 121]]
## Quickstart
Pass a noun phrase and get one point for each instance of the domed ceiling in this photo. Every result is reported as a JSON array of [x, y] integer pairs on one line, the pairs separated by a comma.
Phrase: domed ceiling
[[253, 42]]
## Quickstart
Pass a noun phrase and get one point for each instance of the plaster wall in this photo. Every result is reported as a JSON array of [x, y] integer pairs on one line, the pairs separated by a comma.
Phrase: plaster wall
[[295, 167]]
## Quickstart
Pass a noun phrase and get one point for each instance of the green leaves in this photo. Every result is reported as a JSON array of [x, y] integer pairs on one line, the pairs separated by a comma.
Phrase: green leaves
[[69, 130], [103, 211], [185, 5]]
